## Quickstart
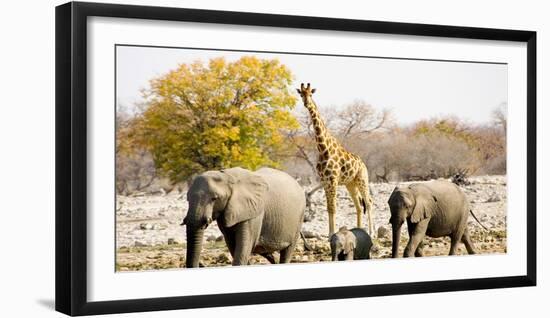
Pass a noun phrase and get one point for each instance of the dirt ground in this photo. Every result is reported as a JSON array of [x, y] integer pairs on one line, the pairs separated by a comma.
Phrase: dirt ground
[[149, 236]]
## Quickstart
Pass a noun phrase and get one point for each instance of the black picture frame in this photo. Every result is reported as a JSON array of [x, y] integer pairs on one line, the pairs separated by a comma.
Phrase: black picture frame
[[71, 157]]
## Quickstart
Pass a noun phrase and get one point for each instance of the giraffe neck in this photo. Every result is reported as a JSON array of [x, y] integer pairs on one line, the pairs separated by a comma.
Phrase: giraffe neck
[[322, 135]]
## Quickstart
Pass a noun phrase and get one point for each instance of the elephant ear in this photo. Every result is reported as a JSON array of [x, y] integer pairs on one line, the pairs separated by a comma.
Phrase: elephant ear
[[349, 246], [424, 207], [247, 197]]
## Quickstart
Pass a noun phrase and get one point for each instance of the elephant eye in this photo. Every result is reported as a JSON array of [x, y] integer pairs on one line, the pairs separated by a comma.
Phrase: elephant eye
[[214, 199]]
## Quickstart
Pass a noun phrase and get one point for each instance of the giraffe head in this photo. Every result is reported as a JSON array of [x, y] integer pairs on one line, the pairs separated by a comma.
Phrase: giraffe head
[[306, 93]]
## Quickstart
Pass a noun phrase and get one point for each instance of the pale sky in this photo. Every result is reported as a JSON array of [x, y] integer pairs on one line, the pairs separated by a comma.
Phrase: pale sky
[[412, 89]]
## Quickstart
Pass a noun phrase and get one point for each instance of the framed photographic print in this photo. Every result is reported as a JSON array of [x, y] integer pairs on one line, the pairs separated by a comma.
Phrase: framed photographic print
[[208, 158]]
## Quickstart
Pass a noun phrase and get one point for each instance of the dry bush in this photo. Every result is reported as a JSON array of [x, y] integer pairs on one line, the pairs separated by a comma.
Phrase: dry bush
[[491, 146], [428, 149], [135, 169], [494, 166], [399, 156], [134, 172]]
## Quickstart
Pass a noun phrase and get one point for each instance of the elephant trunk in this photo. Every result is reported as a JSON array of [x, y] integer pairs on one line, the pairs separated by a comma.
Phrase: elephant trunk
[[197, 220], [334, 255], [396, 227], [194, 246]]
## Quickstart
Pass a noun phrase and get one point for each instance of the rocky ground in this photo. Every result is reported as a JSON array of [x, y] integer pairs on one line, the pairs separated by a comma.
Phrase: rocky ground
[[149, 235]]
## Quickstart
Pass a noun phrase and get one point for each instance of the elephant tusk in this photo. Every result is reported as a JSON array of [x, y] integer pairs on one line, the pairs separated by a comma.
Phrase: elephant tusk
[[206, 223]]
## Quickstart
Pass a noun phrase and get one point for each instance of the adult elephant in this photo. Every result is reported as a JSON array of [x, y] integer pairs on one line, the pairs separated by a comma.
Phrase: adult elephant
[[436, 208], [257, 212]]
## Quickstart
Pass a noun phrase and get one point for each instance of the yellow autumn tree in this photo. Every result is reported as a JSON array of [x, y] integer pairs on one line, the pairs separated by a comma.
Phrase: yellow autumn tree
[[215, 115]]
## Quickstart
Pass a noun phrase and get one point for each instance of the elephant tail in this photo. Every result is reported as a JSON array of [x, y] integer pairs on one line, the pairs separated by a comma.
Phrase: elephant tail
[[475, 217], [307, 247]]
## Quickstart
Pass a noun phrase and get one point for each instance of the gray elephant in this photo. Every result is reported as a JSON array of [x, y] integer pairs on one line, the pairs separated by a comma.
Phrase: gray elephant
[[435, 208], [257, 212], [350, 244]]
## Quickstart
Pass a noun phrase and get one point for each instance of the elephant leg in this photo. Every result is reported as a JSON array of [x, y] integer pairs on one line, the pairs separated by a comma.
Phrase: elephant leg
[[454, 245], [455, 239], [244, 243], [416, 237], [286, 254], [410, 228], [269, 257], [330, 192], [229, 240], [419, 250], [468, 243], [354, 193]]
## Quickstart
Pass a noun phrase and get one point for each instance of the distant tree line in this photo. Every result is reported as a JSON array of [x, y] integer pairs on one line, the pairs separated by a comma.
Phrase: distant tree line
[[220, 114], [428, 149]]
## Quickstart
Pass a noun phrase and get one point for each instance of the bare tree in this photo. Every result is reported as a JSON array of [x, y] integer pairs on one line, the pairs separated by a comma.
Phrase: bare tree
[[135, 169], [123, 122], [303, 148], [357, 119], [303, 140], [134, 172], [500, 116], [384, 176], [361, 118]]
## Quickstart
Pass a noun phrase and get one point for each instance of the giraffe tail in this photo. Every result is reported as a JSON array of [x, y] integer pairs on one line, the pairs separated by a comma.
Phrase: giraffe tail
[[364, 205], [307, 247]]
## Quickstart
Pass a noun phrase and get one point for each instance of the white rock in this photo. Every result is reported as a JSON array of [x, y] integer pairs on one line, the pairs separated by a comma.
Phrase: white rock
[[146, 226], [139, 244], [383, 232]]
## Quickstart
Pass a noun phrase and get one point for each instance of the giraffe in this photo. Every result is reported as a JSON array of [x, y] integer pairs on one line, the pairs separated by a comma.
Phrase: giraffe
[[337, 166]]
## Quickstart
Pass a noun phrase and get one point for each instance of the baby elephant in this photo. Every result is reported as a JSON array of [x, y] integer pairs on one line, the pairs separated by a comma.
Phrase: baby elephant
[[351, 244]]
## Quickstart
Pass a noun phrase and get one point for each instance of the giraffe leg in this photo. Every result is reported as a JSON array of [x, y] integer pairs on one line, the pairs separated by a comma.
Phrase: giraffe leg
[[330, 192], [363, 185], [354, 193]]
